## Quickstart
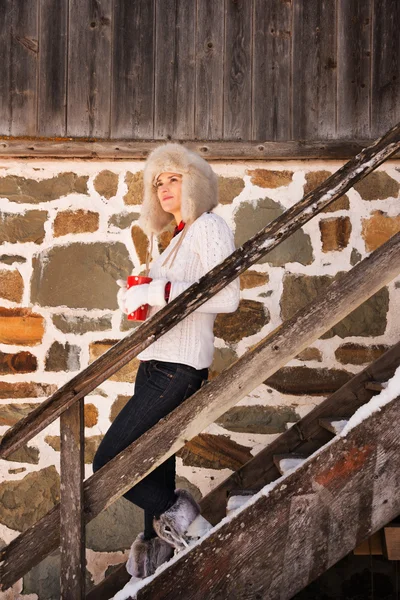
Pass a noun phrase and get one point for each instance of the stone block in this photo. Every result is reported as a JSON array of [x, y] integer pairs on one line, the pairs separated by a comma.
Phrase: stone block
[[91, 444], [355, 257], [10, 259], [335, 233], [310, 354], [43, 580], [270, 179], [12, 413], [303, 381], [20, 326], [123, 220], [117, 406], [115, 528], [91, 414], [214, 452], [81, 324], [127, 373], [23, 190], [316, 178], [24, 502], [106, 184], [18, 362], [28, 227], [223, 358], [248, 319], [11, 285], [377, 186], [26, 389], [251, 218], [253, 279], [369, 319], [75, 221], [141, 243], [25, 454], [62, 357], [258, 419], [80, 275], [229, 188], [135, 192], [378, 229], [359, 354], [165, 237]]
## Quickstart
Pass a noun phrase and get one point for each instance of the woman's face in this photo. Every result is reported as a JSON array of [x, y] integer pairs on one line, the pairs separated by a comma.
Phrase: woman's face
[[169, 191]]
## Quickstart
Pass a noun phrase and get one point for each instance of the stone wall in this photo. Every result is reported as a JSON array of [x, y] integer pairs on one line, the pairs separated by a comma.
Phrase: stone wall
[[68, 231]]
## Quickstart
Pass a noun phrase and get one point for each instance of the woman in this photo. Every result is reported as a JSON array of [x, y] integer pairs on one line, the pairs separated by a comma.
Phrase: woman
[[178, 185]]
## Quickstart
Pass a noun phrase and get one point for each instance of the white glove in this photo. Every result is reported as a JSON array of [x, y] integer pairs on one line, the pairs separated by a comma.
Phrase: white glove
[[147, 293]]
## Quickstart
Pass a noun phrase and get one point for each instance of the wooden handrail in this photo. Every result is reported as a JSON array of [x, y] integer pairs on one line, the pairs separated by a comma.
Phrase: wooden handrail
[[211, 283]]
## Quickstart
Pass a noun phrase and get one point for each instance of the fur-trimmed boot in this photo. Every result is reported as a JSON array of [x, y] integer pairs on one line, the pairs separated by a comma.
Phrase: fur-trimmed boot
[[182, 524], [146, 555]]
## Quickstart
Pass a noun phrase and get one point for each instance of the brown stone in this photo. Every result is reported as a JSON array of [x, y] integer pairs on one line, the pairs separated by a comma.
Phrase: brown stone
[[91, 415], [141, 243], [11, 285], [378, 229], [248, 319], [26, 389], [117, 406], [377, 186], [20, 326], [135, 191], [303, 381], [25, 454], [358, 354], [165, 237], [22, 190], [214, 452], [252, 279], [81, 324], [91, 444], [12, 413], [28, 227], [314, 179], [20, 362], [229, 188], [310, 354], [223, 358], [369, 319], [270, 179], [258, 419], [335, 233], [24, 502], [16, 471], [106, 184], [75, 221], [123, 220], [80, 275], [10, 259], [62, 357], [127, 373]]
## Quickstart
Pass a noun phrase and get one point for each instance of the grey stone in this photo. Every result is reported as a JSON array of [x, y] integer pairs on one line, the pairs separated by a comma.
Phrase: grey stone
[[258, 419], [183, 483], [80, 275], [377, 186], [25, 454], [250, 219], [123, 220], [248, 319], [369, 319], [22, 190], [44, 578], [127, 325], [81, 324], [62, 357], [28, 227], [355, 257], [114, 528], [8, 259]]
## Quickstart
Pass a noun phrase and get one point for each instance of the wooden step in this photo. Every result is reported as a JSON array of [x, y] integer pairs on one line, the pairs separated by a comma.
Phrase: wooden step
[[288, 462], [333, 424], [392, 540], [375, 386]]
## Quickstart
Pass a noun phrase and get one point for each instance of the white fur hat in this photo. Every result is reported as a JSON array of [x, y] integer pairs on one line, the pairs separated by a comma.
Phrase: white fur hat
[[199, 186]]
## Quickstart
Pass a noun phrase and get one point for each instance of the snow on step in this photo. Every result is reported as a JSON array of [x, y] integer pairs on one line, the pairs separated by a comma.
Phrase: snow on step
[[335, 426], [288, 462], [235, 502]]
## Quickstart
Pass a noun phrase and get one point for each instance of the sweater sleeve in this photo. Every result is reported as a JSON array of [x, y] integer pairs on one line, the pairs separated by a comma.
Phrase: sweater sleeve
[[213, 242]]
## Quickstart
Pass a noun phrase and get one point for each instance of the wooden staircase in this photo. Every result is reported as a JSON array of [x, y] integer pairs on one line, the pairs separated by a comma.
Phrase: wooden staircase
[[83, 500]]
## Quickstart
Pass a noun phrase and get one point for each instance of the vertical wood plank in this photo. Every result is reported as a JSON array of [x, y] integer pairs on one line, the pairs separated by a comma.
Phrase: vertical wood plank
[[72, 530], [6, 12], [271, 98], [209, 70], [385, 109], [314, 69], [238, 69], [175, 69], [52, 67], [23, 67], [354, 68], [133, 69], [89, 68]]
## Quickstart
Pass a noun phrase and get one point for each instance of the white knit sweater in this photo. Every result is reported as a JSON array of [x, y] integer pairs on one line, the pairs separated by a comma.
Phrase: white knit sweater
[[207, 242]]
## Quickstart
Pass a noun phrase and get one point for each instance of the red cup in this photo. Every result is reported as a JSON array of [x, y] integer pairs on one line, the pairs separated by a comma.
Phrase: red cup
[[140, 314]]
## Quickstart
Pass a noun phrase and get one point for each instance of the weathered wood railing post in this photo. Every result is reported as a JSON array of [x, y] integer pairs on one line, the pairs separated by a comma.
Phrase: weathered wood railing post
[[72, 526]]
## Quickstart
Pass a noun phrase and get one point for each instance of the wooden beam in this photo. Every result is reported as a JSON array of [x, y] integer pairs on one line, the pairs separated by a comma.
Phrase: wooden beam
[[211, 401], [72, 527], [96, 149], [392, 541], [211, 283], [292, 534]]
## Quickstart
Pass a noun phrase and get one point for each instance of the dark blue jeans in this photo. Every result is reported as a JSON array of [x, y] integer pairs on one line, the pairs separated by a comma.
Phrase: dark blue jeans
[[159, 388]]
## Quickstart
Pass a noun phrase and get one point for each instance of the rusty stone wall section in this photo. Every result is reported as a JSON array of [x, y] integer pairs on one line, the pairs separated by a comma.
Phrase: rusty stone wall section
[[68, 231]]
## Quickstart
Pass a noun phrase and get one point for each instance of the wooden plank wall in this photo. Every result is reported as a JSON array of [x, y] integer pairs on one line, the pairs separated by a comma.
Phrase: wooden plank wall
[[250, 70]]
